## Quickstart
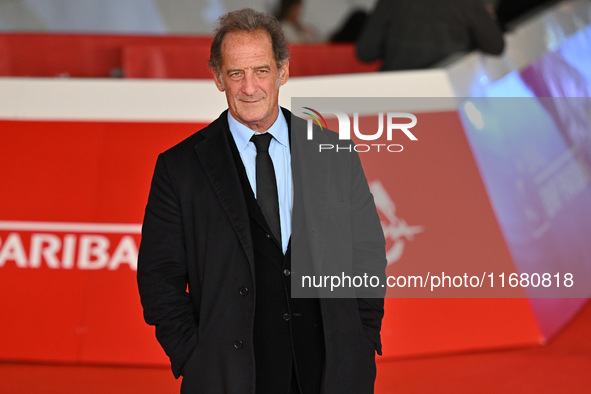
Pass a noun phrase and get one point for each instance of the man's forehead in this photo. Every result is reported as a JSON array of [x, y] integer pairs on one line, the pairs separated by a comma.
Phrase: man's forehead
[[242, 49], [236, 38]]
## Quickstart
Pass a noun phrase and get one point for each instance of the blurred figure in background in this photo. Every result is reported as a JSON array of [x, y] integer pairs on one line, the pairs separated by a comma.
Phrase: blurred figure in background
[[414, 34], [351, 28], [290, 14], [509, 11]]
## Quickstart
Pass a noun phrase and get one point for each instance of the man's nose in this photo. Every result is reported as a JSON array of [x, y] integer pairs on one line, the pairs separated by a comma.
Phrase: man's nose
[[250, 85]]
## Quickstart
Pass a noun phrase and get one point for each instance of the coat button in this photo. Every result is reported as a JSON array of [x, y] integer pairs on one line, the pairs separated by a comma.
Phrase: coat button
[[268, 235], [243, 290], [286, 272], [286, 316], [238, 344]]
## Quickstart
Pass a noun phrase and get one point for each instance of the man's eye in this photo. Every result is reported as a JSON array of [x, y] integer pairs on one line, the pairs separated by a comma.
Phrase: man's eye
[[235, 75], [262, 72]]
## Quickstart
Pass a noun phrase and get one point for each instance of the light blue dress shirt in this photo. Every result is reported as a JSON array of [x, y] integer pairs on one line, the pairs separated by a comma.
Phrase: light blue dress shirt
[[279, 152]]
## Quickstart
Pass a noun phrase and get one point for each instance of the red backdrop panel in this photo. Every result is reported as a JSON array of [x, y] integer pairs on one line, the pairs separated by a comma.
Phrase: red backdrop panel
[[86, 307], [76, 55]]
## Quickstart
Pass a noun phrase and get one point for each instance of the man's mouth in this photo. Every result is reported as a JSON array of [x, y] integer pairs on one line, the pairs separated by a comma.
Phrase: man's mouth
[[250, 100]]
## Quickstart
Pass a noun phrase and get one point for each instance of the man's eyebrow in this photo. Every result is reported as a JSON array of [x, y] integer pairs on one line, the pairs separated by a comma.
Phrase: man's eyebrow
[[231, 70], [262, 67]]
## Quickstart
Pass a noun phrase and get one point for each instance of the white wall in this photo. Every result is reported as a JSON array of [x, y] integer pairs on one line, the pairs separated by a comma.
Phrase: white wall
[[153, 16]]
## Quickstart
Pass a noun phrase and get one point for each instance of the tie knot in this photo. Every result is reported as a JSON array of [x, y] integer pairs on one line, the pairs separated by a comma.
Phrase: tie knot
[[262, 141]]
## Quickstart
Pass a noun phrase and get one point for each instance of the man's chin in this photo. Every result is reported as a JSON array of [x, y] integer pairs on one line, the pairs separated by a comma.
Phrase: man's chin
[[252, 117]]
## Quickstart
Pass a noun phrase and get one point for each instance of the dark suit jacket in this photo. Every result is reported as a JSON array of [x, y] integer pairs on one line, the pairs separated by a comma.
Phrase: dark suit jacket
[[197, 254]]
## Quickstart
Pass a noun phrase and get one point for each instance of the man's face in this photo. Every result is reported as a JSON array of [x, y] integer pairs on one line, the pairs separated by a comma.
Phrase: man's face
[[251, 79]]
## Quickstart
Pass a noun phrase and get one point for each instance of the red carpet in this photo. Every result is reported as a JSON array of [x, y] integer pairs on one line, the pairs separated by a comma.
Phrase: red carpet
[[562, 366]]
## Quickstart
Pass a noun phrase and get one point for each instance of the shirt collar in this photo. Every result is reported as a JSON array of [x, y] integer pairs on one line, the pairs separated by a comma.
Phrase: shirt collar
[[242, 133]]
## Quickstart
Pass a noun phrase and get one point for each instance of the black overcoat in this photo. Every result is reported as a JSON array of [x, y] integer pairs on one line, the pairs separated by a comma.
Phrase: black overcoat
[[196, 254]]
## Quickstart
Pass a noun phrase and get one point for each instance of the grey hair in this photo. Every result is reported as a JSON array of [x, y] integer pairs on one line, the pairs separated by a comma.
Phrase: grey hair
[[248, 20]]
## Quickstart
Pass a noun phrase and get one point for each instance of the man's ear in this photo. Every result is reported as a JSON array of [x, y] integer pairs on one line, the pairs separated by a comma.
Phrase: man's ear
[[218, 82], [284, 71]]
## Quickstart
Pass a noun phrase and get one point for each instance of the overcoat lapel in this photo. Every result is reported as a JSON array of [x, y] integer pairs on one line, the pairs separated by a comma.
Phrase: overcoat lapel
[[214, 154]]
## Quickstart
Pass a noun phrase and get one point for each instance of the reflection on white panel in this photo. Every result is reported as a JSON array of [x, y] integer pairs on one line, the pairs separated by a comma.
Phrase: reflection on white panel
[[570, 50], [559, 37]]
